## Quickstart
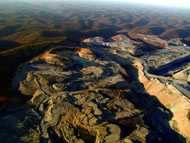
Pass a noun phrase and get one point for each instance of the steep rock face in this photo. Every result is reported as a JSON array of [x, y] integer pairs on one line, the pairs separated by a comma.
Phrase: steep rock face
[[172, 99]]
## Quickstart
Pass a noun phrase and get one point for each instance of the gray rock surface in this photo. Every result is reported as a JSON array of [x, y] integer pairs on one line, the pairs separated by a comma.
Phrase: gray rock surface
[[91, 99]]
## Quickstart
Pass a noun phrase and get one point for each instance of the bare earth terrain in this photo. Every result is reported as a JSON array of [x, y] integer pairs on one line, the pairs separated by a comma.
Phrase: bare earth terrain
[[97, 94], [94, 73]]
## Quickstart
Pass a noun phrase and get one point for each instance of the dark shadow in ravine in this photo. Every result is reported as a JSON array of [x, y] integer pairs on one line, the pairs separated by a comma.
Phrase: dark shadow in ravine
[[156, 115]]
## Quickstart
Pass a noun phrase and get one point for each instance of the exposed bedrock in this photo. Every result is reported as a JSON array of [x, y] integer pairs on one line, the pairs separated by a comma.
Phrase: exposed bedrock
[[172, 99], [92, 95]]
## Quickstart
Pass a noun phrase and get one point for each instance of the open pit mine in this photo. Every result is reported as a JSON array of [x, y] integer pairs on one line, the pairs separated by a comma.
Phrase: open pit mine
[[126, 89]]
